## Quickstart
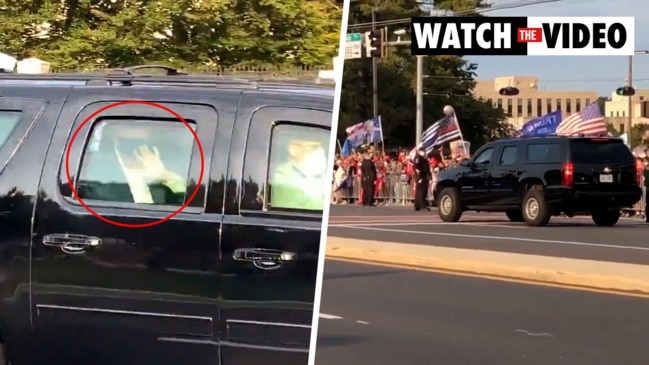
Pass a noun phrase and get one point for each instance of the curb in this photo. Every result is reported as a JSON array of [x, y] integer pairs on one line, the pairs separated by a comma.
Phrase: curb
[[609, 276]]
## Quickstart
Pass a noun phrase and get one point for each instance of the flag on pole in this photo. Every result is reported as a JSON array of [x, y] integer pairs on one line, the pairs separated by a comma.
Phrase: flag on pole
[[369, 131], [440, 132], [588, 121]]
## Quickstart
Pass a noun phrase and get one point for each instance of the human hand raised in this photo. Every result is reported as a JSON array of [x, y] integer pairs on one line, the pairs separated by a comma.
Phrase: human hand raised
[[149, 160]]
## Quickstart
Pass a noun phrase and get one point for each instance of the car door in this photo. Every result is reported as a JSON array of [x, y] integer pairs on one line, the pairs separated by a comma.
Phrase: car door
[[26, 125], [271, 229], [504, 177], [475, 183], [105, 293]]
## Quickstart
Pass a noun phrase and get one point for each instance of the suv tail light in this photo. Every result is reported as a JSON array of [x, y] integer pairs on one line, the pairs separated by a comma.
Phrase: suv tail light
[[639, 168], [567, 174]]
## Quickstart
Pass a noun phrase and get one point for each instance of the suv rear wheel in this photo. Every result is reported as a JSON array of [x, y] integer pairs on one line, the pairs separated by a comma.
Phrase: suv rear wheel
[[535, 210], [515, 215], [449, 206], [606, 218]]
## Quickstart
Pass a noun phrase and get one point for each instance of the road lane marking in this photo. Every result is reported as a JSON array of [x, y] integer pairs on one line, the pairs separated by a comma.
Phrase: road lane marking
[[516, 239], [392, 224], [363, 322], [534, 334], [329, 316]]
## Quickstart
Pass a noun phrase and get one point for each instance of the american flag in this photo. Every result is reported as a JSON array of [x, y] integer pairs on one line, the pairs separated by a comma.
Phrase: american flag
[[442, 131], [589, 121]]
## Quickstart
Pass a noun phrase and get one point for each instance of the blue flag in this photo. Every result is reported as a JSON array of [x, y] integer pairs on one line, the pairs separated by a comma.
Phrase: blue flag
[[346, 149], [543, 125]]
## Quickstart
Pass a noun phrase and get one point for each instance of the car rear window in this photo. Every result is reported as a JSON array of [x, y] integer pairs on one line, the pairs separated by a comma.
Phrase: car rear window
[[600, 151]]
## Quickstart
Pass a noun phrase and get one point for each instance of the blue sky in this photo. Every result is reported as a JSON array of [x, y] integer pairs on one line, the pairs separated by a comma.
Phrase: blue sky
[[602, 74]]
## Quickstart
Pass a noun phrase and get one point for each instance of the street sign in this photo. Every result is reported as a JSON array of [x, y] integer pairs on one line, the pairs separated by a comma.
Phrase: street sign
[[353, 46]]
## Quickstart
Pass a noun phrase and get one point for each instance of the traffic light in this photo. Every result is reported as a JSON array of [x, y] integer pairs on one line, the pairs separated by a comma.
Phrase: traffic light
[[625, 91], [509, 91], [375, 42], [375, 45]]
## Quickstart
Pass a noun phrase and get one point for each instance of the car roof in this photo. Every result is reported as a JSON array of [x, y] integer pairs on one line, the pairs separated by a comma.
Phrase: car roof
[[172, 78], [554, 137]]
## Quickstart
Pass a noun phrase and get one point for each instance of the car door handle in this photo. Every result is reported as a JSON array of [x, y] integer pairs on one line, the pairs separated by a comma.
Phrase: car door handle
[[71, 243], [263, 254], [485, 174]]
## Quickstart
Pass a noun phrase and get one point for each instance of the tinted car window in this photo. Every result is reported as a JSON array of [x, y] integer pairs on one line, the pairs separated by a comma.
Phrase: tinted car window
[[297, 176], [484, 158], [8, 122], [508, 156], [600, 151], [544, 153], [144, 162]]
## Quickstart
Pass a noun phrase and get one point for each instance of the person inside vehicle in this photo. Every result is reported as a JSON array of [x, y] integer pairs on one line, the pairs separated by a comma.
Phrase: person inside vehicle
[[127, 166], [298, 174]]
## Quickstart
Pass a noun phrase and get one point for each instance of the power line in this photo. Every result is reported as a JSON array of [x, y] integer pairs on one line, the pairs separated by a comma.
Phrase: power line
[[515, 5]]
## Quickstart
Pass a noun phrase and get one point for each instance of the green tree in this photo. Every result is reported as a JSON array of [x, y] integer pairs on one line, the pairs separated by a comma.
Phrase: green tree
[[450, 81], [84, 34]]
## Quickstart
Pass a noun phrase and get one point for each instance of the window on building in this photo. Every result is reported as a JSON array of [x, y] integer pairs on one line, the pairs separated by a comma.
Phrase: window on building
[[568, 106], [491, 101], [509, 107], [539, 107], [641, 98], [519, 107], [558, 104], [548, 105], [587, 102], [617, 114], [624, 113], [529, 107], [578, 105], [500, 103]]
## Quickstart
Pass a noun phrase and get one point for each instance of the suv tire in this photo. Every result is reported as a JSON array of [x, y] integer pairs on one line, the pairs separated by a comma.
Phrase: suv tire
[[535, 210], [606, 218], [515, 215], [449, 205]]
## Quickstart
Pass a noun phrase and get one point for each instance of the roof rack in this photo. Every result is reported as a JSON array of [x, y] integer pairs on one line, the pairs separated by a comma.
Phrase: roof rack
[[127, 76]]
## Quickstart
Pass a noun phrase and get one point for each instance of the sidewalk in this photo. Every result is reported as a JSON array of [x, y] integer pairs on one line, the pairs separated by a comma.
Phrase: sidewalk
[[550, 270]]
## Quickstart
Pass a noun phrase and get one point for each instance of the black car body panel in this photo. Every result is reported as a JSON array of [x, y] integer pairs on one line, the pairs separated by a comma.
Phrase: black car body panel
[[176, 292]]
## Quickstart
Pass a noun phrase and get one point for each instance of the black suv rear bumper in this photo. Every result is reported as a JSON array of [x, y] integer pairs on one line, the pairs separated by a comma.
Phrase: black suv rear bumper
[[571, 199]]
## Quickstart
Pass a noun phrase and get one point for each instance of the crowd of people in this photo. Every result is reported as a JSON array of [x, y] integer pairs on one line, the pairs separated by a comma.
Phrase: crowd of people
[[373, 177]]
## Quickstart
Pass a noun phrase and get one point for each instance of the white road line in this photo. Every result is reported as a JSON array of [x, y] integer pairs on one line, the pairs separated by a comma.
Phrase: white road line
[[329, 316], [362, 322], [517, 239]]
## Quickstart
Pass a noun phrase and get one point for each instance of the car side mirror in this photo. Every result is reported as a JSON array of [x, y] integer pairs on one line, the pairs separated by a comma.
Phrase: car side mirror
[[465, 162]]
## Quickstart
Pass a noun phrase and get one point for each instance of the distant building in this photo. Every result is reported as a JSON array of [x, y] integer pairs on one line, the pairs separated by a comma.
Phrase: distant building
[[617, 109], [531, 102]]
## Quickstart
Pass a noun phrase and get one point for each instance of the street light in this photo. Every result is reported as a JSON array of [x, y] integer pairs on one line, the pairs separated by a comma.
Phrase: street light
[[629, 91]]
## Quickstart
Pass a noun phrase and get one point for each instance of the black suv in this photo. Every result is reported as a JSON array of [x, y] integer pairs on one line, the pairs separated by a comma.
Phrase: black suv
[[87, 277], [532, 179]]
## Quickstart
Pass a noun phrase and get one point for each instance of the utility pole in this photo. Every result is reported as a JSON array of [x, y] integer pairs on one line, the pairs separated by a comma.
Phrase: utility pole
[[375, 91], [420, 99], [628, 126]]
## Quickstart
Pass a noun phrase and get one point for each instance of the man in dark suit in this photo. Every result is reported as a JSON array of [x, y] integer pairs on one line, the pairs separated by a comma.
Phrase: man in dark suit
[[368, 176], [423, 176]]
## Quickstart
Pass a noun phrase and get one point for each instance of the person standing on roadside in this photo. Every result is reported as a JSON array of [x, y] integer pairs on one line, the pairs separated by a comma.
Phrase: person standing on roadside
[[368, 176], [646, 187], [422, 176]]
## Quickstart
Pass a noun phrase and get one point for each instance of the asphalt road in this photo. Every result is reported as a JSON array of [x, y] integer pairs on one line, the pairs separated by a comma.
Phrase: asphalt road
[[578, 237], [377, 315]]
